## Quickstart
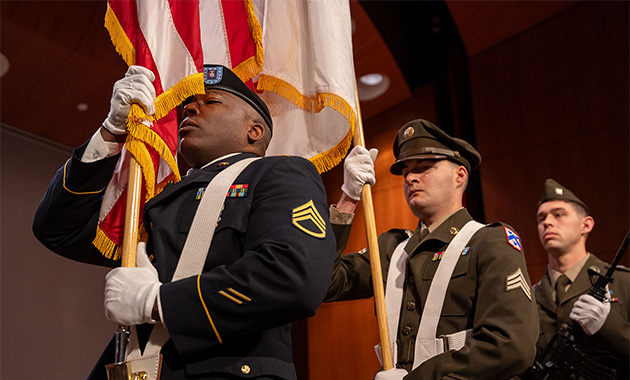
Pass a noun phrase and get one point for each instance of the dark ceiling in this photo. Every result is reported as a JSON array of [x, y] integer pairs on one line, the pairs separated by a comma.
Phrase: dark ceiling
[[60, 54]]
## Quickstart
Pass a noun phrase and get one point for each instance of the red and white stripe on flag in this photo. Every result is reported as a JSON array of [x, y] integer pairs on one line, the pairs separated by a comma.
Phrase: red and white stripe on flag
[[168, 38], [296, 54]]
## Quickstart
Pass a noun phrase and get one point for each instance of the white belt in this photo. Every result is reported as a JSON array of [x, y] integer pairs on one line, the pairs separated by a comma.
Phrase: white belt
[[454, 341]]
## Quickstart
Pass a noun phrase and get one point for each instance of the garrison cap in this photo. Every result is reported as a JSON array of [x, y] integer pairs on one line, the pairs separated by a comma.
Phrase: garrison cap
[[553, 191], [218, 77], [422, 140]]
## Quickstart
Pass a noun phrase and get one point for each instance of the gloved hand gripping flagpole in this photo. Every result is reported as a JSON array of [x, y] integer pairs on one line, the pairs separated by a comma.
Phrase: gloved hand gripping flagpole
[[375, 260]]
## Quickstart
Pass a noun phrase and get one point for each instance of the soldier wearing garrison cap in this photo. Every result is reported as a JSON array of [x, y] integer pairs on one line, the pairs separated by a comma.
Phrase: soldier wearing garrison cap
[[484, 325], [564, 224], [232, 320]]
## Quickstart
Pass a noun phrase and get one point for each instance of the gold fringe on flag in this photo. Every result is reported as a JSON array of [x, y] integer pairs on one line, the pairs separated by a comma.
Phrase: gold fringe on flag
[[119, 38], [247, 69], [326, 160], [174, 96], [107, 247], [250, 67]]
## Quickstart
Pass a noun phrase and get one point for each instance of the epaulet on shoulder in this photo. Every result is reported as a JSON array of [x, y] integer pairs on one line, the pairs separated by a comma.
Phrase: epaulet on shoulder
[[404, 233], [621, 268], [501, 224]]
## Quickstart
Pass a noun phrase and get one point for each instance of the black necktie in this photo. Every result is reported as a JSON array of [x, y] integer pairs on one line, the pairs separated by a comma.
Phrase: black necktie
[[561, 286]]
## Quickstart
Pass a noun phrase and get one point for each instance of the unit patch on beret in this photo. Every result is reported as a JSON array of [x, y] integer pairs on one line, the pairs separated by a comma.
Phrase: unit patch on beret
[[212, 74], [516, 281], [309, 221], [512, 239]]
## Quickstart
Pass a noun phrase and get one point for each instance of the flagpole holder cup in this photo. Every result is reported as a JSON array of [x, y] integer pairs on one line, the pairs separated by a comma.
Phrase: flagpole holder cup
[[122, 371]]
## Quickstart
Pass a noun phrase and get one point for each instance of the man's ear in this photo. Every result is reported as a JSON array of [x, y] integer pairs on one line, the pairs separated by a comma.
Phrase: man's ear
[[587, 224], [461, 175], [255, 133]]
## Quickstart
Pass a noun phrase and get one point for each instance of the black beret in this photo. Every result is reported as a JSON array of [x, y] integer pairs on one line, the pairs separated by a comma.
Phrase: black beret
[[553, 191], [422, 140], [218, 77]]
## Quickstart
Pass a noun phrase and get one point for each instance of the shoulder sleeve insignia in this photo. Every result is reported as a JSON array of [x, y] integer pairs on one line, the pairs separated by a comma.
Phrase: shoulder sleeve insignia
[[517, 281], [512, 239], [309, 221]]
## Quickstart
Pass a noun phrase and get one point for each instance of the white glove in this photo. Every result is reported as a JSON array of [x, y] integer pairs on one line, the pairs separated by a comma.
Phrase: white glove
[[135, 87], [590, 313], [391, 374], [358, 169], [130, 293]]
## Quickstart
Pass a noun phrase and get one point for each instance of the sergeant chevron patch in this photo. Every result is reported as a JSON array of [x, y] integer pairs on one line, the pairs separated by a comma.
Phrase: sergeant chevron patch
[[309, 221], [515, 281]]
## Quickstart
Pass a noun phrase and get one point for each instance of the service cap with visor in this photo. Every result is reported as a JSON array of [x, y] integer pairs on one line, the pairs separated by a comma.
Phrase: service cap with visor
[[422, 140]]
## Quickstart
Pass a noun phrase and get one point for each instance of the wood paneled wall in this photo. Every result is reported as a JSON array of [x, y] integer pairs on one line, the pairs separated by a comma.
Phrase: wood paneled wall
[[550, 102], [553, 103]]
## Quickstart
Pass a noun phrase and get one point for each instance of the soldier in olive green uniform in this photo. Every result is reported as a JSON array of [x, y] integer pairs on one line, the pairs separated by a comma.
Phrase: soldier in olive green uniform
[[564, 223], [485, 325]]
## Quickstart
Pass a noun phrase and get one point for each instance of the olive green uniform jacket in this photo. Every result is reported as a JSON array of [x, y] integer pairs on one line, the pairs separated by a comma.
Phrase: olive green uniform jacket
[[609, 346], [504, 323]]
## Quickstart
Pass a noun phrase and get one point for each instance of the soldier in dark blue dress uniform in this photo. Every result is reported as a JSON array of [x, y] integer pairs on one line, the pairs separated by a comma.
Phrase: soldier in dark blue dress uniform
[[265, 268]]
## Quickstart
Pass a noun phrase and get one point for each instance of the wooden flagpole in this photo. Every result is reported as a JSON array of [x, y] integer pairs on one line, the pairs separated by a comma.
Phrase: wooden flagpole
[[130, 242], [375, 258], [132, 214]]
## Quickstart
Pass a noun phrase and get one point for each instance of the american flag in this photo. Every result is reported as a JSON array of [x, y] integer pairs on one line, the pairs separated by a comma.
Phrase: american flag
[[296, 54]]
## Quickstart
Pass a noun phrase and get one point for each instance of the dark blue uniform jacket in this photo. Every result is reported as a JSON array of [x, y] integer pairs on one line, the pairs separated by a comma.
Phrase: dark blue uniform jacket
[[270, 261]]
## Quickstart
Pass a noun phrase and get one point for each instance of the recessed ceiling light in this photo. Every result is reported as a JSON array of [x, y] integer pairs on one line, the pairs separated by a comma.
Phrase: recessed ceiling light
[[4, 64], [371, 79], [82, 107], [372, 86]]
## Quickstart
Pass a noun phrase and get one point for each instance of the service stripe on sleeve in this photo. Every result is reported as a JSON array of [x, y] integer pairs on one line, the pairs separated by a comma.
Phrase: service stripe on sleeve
[[206, 309]]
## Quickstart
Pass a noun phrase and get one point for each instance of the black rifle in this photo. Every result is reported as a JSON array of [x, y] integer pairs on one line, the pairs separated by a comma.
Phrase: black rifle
[[569, 359]]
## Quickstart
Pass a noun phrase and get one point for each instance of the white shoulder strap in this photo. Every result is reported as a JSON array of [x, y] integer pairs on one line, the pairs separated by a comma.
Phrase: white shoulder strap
[[196, 247], [425, 341], [394, 294], [206, 219]]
